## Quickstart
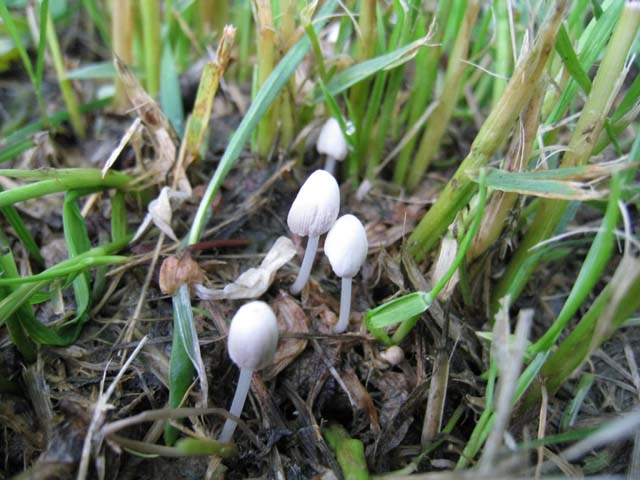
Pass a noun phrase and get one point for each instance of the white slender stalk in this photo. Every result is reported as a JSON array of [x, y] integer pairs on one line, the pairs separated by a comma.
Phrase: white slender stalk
[[307, 263], [345, 306], [242, 390], [330, 164]]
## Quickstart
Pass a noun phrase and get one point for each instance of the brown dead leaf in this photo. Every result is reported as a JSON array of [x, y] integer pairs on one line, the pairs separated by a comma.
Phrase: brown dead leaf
[[291, 319], [162, 135], [395, 391], [361, 397], [145, 105], [379, 235]]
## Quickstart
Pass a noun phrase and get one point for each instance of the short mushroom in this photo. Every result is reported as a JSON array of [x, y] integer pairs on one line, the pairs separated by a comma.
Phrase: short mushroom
[[252, 344], [312, 213], [332, 143], [346, 247]]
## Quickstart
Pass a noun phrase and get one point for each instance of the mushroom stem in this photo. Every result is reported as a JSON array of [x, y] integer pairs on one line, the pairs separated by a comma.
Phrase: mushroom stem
[[330, 164], [307, 263], [244, 383], [345, 305]]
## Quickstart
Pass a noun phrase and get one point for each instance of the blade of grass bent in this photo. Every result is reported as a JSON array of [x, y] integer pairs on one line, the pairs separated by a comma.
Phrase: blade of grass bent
[[77, 239], [267, 94], [491, 136], [361, 71], [597, 259], [606, 85], [14, 322], [67, 333], [58, 181], [53, 120], [187, 330], [23, 233]]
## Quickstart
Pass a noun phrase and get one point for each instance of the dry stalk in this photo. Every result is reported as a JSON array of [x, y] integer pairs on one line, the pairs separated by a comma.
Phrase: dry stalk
[[102, 405], [509, 357]]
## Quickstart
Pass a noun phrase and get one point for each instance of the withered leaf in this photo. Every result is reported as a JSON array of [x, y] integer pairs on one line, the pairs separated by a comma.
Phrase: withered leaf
[[291, 319], [361, 397]]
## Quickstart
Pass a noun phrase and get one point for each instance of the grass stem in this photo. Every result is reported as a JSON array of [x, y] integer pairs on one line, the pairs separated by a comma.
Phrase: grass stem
[[437, 124], [606, 84], [268, 126], [491, 136], [65, 84], [151, 44]]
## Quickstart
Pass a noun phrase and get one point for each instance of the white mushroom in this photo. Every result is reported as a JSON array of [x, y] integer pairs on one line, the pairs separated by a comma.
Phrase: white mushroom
[[332, 143], [346, 247], [393, 355], [252, 344], [312, 213]]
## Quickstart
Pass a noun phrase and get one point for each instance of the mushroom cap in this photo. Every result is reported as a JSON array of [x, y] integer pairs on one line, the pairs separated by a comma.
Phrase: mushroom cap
[[253, 336], [331, 141], [346, 246], [316, 206]]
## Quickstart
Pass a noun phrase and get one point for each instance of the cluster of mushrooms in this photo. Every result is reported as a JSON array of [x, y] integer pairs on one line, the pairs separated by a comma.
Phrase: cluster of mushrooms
[[253, 334]]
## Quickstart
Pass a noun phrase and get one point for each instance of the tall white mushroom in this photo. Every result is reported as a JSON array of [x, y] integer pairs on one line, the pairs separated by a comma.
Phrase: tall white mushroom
[[252, 344], [332, 143], [346, 247], [314, 210]]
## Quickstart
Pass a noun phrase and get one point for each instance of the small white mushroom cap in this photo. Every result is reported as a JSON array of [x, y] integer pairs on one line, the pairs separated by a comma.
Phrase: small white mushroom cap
[[331, 141], [253, 336], [346, 246], [316, 206], [393, 355]]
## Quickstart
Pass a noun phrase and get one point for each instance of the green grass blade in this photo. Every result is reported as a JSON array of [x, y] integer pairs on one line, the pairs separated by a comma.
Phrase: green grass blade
[[67, 268], [170, 96], [549, 216], [77, 238], [23, 233], [119, 228], [597, 259], [590, 45], [186, 358], [24, 56], [559, 183], [570, 59], [93, 71], [405, 309], [361, 71], [571, 412], [181, 373], [15, 321], [491, 136], [99, 18], [267, 94], [12, 151], [67, 333], [59, 180], [42, 44], [12, 30], [398, 310], [483, 426], [53, 120]]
